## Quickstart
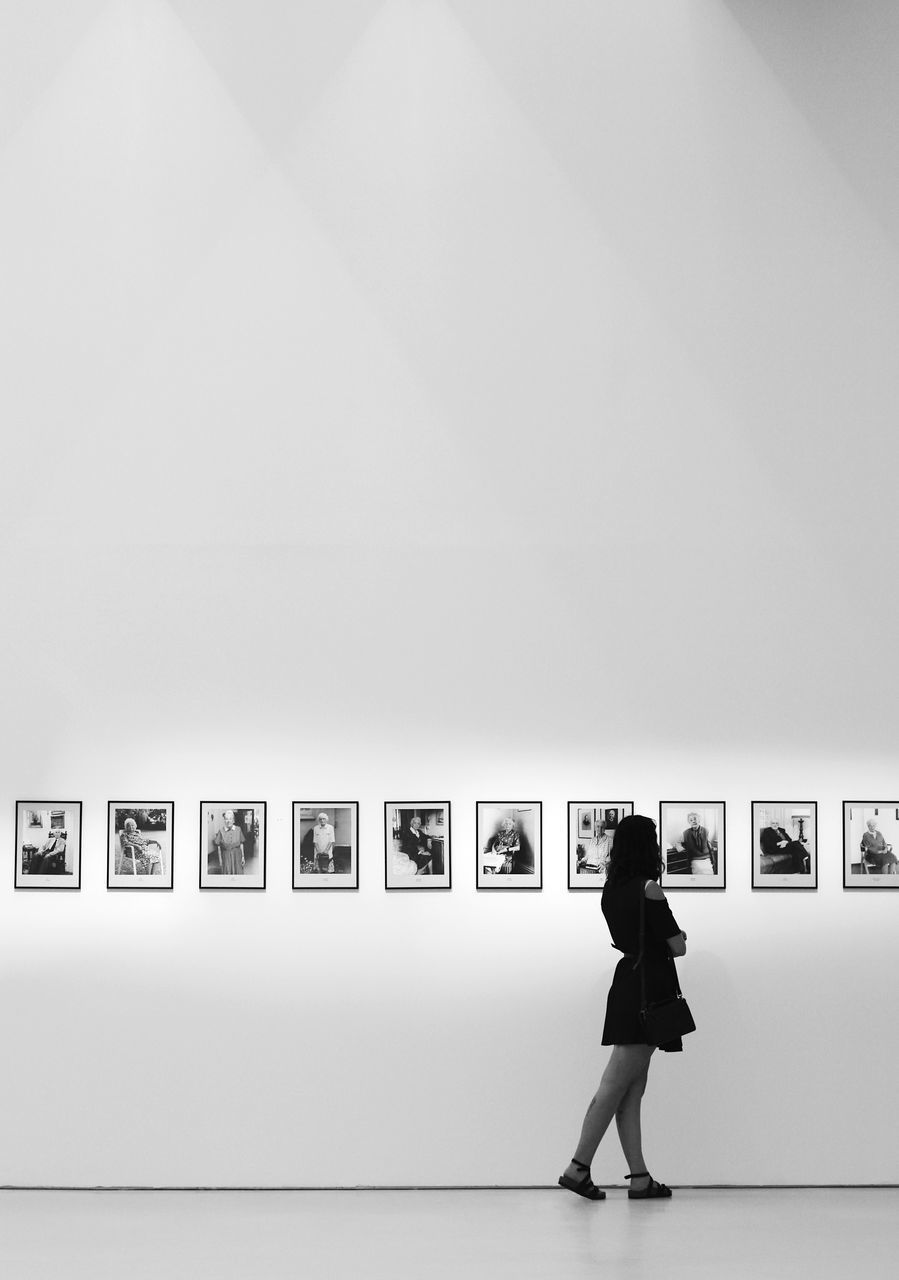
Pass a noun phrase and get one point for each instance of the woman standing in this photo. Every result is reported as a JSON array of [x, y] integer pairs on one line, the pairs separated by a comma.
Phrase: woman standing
[[635, 868], [229, 841]]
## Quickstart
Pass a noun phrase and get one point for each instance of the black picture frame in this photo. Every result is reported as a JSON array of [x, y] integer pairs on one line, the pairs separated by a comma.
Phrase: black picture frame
[[503, 854], [147, 817], [586, 864], [861, 872], [679, 870], [426, 862], [46, 860], [332, 876], [212, 815], [786, 859]]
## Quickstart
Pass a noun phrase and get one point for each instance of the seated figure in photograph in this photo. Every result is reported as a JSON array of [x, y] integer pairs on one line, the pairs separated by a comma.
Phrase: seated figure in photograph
[[417, 845], [698, 847], [788, 856], [513, 846], [50, 858], [593, 854], [141, 855], [876, 852]]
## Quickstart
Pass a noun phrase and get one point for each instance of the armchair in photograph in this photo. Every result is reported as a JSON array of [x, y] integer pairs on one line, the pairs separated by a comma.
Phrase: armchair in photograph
[[137, 854], [865, 867], [782, 853], [50, 858], [773, 859]]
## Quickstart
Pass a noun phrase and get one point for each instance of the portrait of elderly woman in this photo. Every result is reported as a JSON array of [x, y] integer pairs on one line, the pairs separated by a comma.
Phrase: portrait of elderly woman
[[693, 843], [509, 845], [877, 855], [870, 840], [232, 854], [416, 846], [140, 846]]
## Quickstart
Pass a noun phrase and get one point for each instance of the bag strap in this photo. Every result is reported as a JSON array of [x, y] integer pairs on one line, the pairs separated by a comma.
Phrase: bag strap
[[641, 946]]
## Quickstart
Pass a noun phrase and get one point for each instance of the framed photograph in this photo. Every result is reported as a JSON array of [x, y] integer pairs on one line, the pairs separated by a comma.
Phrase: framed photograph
[[784, 844], [139, 845], [232, 844], [326, 844], [692, 839], [510, 845], [417, 852], [48, 844], [870, 844], [591, 833]]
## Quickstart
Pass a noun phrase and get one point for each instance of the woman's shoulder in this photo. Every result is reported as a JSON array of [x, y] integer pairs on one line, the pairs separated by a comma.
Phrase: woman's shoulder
[[653, 891]]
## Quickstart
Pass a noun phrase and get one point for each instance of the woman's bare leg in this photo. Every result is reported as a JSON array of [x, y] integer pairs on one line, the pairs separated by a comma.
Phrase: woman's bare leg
[[627, 1118], [628, 1064]]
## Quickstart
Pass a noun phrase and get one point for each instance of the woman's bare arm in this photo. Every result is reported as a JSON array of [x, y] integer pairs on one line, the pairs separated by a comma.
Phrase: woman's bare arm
[[677, 944]]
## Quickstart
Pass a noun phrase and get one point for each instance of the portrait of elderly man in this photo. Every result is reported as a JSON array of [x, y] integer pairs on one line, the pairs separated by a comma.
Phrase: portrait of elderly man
[[323, 842], [50, 858], [781, 852]]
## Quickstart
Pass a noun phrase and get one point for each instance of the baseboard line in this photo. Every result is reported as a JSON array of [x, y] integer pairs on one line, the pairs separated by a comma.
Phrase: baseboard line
[[683, 1186]]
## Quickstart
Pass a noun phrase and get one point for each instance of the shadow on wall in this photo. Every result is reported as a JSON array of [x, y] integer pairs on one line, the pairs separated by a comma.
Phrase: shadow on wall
[[836, 62]]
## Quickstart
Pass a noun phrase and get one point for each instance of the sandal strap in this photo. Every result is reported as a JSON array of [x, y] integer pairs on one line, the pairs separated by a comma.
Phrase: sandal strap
[[580, 1164], [644, 1174]]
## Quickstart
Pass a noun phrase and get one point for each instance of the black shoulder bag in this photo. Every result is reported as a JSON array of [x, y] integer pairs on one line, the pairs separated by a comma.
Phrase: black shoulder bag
[[662, 1020]]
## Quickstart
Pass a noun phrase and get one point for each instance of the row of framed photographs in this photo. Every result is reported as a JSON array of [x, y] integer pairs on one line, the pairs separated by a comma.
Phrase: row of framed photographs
[[418, 844]]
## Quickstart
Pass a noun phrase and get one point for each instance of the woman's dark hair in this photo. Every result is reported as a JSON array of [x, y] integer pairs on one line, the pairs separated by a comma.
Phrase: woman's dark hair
[[635, 851]]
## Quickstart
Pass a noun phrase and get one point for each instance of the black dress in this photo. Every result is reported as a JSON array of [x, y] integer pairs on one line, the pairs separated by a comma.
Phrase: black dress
[[621, 908]]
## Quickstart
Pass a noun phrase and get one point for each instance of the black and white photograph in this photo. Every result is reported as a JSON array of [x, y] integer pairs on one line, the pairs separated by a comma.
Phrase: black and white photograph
[[48, 844], [140, 845], [692, 837], [232, 844], [784, 844], [591, 834], [325, 844], [509, 845], [870, 844], [417, 852]]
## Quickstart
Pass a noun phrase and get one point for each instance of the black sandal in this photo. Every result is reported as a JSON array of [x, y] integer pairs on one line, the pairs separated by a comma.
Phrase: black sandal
[[585, 1186], [652, 1191]]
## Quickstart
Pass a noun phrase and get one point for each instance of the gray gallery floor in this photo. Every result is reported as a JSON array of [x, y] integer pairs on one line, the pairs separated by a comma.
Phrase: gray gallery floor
[[65, 1235]]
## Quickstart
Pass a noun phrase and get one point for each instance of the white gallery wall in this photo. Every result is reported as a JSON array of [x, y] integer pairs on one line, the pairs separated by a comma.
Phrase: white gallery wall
[[444, 399]]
